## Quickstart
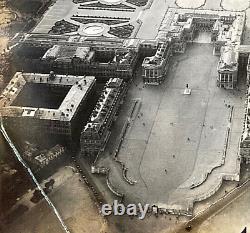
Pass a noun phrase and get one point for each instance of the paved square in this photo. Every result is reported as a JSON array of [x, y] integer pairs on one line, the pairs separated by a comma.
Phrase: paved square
[[174, 149]]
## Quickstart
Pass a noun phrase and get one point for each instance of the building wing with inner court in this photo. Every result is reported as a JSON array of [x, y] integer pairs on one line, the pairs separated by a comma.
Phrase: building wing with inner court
[[46, 102]]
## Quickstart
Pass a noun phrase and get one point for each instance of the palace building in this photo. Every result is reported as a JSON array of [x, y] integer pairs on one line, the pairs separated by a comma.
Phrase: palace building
[[179, 27], [97, 131], [228, 68], [154, 68], [46, 103], [108, 47], [245, 138], [108, 59], [100, 62]]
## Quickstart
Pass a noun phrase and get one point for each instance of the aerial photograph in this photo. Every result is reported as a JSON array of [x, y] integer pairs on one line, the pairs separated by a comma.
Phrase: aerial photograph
[[124, 116]]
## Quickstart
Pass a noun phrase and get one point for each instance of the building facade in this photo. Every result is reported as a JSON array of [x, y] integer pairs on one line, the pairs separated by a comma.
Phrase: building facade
[[154, 68], [46, 103], [228, 68], [97, 131], [102, 59], [245, 138], [180, 26], [40, 159], [248, 70]]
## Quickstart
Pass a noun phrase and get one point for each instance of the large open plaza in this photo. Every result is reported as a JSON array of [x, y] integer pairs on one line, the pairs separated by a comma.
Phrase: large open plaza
[[180, 147]]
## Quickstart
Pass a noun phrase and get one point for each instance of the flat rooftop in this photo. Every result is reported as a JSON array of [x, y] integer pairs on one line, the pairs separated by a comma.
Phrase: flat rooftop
[[29, 94], [168, 22], [179, 148]]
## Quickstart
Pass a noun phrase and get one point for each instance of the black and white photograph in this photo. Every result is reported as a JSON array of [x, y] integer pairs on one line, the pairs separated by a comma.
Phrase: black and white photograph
[[124, 116]]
